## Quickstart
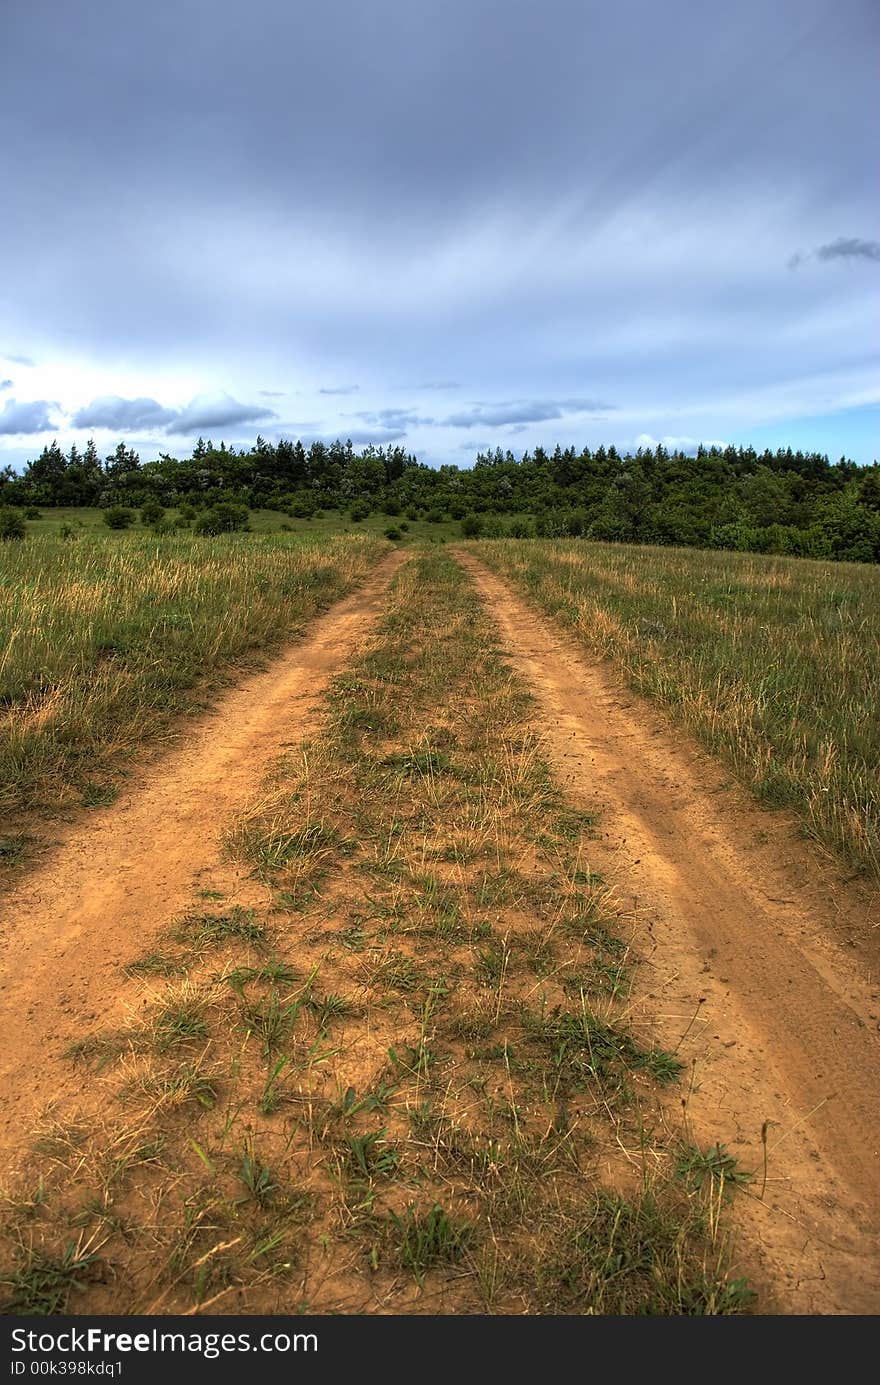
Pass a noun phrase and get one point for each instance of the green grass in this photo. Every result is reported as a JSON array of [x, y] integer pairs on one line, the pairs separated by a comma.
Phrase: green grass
[[715, 1166], [425, 1239], [329, 524], [179, 1023], [203, 929], [773, 662], [42, 1284], [633, 1256]]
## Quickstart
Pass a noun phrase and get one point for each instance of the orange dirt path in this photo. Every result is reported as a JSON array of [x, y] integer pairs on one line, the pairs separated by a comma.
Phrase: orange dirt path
[[754, 948], [114, 880]]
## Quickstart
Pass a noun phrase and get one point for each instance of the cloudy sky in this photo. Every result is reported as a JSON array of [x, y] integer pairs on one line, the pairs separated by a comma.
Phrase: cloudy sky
[[455, 223]]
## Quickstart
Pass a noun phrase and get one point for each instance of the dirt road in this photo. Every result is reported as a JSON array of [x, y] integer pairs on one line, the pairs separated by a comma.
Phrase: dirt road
[[116, 879], [759, 958]]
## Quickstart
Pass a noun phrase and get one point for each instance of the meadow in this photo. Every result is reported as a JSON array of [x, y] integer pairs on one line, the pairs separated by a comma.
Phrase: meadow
[[774, 663], [330, 523], [105, 637], [394, 1053]]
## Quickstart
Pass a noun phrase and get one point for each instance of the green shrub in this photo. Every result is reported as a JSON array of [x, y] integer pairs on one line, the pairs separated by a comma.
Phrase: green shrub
[[152, 512], [472, 526], [360, 511], [32, 513], [12, 526], [393, 533], [302, 506], [119, 517], [223, 518]]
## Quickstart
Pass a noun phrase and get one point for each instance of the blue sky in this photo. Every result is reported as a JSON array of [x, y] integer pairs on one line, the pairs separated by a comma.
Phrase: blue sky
[[451, 223]]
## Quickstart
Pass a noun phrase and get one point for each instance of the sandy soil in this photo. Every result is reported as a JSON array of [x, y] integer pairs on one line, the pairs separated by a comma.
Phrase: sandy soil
[[760, 958], [113, 881]]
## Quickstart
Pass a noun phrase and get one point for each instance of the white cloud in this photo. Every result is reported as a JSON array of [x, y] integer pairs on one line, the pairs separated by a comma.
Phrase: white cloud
[[678, 444]]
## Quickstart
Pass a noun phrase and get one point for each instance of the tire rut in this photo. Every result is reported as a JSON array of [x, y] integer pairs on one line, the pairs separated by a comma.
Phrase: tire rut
[[758, 966], [113, 881]]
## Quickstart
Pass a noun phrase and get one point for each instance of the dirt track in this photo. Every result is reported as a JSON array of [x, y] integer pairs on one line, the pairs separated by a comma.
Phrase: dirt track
[[758, 958], [117, 878], [756, 951]]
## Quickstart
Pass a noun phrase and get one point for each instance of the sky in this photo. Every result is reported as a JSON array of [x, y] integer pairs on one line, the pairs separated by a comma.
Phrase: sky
[[452, 224]]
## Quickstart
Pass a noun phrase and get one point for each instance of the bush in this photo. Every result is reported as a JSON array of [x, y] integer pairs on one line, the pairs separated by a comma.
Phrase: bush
[[152, 512], [472, 526], [360, 511], [520, 528], [224, 518], [32, 513], [119, 517], [435, 516], [185, 515], [164, 526], [403, 526], [12, 526], [302, 506], [393, 533]]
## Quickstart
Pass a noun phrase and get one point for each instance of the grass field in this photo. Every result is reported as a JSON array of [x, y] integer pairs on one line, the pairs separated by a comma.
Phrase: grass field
[[397, 1053], [773, 662], [103, 640], [329, 524], [398, 1082]]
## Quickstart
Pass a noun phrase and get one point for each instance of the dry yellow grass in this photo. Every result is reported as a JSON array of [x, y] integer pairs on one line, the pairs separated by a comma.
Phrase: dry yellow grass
[[774, 662], [101, 644]]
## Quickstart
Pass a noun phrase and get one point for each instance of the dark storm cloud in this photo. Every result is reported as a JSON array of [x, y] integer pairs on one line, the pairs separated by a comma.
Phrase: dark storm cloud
[[844, 248], [122, 415], [514, 197], [221, 413], [850, 248], [26, 418], [394, 418], [522, 411]]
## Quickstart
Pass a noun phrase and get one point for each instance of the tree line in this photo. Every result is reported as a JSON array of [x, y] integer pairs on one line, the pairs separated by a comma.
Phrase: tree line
[[777, 502]]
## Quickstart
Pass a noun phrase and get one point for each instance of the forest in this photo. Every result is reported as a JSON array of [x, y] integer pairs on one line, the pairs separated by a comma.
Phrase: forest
[[788, 502]]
